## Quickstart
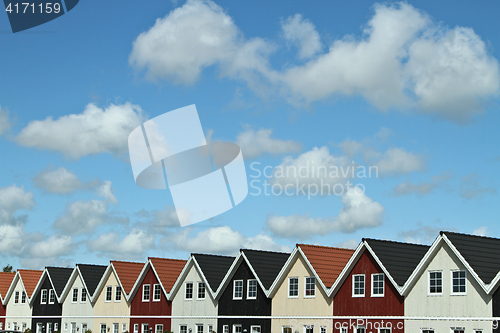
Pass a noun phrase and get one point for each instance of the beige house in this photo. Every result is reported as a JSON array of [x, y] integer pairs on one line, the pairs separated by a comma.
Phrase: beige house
[[301, 288]]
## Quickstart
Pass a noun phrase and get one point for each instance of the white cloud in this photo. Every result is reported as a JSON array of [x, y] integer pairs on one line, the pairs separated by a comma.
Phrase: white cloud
[[54, 246], [82, 216], [408, 188], [397, 161], [470, 187], [481, 231], [422, 234], [159, 221], [94, 131], [4, 121], [225, 241], [12, 199], [303, 34], [60, 181], [255, 143], [107, 192], [359, 212], [133, 244], [348, 244], [12, 239]]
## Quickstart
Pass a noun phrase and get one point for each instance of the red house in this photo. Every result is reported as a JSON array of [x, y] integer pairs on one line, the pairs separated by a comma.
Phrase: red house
[[371, 284], [149, 295], [5, 282]]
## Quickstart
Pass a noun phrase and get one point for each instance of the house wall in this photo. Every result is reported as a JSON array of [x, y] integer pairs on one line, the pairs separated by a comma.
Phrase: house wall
[[77, 309], [14, 312], [419, 303], [113, 308], [344, 304], [247, 307], [49, 311], [282, 305], [3, 312], [203, 307], [150, 308]]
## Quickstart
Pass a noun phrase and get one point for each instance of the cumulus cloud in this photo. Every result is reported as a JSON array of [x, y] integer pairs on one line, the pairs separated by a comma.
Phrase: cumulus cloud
[[359, 212], [481, 231], [54, 246], [224, 241], [59, 181], [107, 192], [302, 33], [422, 234], [13, 199], [12, 239], [422, 188], [397, 161], [159, 221], [255, 143], [94, 131], [470, 187], [4, 121], [348, 244], [402, 60], [132, 245], [82, 216]]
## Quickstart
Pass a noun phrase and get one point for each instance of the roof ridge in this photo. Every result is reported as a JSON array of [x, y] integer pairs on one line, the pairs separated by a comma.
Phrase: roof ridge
[[264, 251], [92, 265], [127, 262], [166, 258], [325, 247], [211, 255], [469, 235], [30, 270], [390, 241]]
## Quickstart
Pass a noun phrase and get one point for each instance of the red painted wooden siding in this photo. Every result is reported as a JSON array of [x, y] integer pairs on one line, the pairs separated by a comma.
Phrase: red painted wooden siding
[[3, 311], [392, 304], [151, 308]]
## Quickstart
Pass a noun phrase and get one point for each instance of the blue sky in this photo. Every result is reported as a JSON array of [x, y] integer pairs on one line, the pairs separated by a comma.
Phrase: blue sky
[[409, 88]]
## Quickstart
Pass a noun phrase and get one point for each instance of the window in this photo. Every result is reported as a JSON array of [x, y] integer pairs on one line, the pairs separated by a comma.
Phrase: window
[[124, 327], [310, 286], [73, 327], [384, 330], [23, 297], [225, 329], [426, 330], [157, 292], [458, 282], [189, 290], [254, 329], [115, 327], [136, 328], [238, 291], [210, 328], [24, 326], [378, 284], [183, 329], [56, 326], [15, 326], [343, 330], [84, 327], [201, 290], [145, 293], [103, 328], [237, 328], [16, 298], [84, 296], [360, 329], [43, 299], [52, 296], [308, 328], [252, 289], [286, 329], [293, 287], [75, 295], [159, 328], [458, 329], [118, 293], [65, 326], [322, 329], [109, 293], [358, 286], [436, 282], [145, 328], [199, 328]]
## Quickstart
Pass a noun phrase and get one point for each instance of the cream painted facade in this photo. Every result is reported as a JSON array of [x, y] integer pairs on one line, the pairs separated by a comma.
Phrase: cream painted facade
[[78, 308], [202, 307], [282, 305], [420, 303], [111, 308], [16, 312]]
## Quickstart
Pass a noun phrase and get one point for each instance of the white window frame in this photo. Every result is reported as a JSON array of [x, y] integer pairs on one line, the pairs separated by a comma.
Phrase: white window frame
[[198, 328], [180, 328], [360, 327], [16, 297], [101, 326], [116, 327], [85, 327], [23, 297], [73, 296], [50, 327], [65, 326], [142, 328], [154, 293], [384, 328], [306, 327], [237, 325], [136, 328], [429, 283], [248, 288], [451, 283], [144, 294], [124, 327], [186, 290], [52, 292], [225, 329], [422, 330], [289, 279], [118, 294], [82, 295], [106, 294], [305, 287], [453, 329], [252, 326], [44, 291], [56, 327], [322, 329], [343, 329], [73, 327], [198, 290], [234, 291], [210, 328], [156, 328], [286, 326], [364, 285], [383, 286]]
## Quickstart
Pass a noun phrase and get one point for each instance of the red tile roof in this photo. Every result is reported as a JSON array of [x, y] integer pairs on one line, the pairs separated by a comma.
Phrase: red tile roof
[[5, 281], [127, 272], [168, 270], [30, 279], [328, 262]]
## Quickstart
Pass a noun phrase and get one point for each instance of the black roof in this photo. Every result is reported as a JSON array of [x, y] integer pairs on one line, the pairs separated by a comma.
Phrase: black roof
[[59, 277], [213, 267], [92, 275], [400, 259], [266, 264], [482, 253]]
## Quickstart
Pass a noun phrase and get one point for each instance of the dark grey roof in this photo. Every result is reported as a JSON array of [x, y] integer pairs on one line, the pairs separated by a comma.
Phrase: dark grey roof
[[400, 259], [59, 277], [482, 253], [92, 275], [266, 264], [213, 267]]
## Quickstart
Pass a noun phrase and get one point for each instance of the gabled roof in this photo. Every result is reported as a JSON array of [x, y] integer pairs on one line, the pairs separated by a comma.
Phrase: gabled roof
[[59, 277], [29, 280], [211, 268], [126, 273], [5, 282], [397, 260], [90, 275]]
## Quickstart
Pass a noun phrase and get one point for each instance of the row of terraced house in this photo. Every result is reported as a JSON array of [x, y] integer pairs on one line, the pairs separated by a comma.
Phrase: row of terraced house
[[381, 286]]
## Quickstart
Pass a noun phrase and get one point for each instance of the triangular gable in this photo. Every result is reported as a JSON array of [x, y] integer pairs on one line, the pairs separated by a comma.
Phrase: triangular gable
[[126, 274], [6, 279], [28, 279], [78, 273], [59, 277]]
